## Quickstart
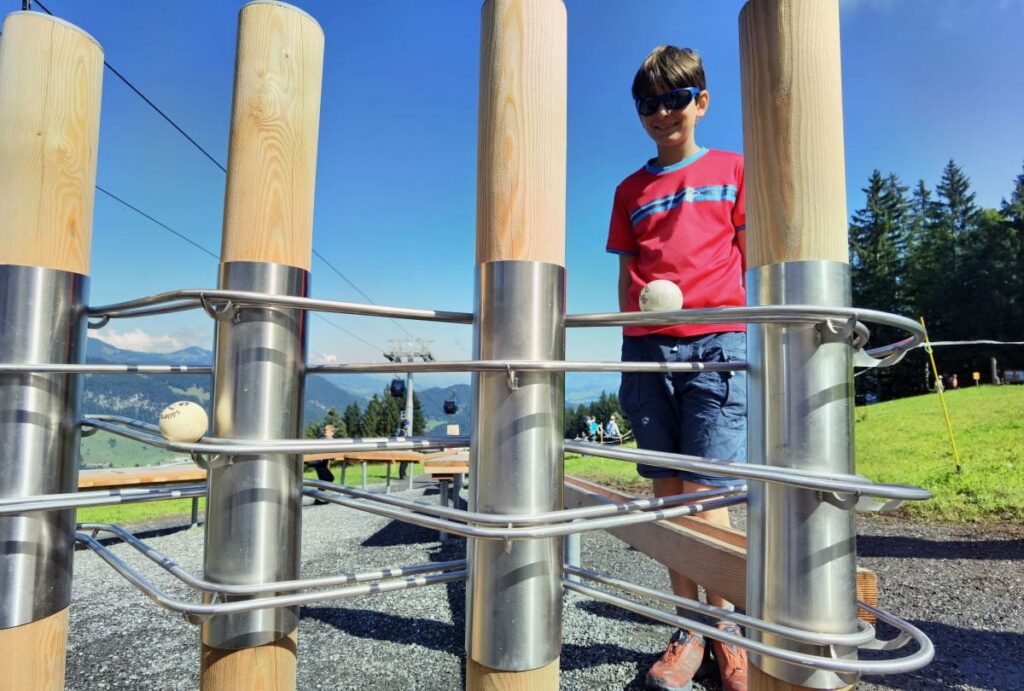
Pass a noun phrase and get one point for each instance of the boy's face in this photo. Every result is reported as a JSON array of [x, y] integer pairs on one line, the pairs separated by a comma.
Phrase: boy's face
[[671, 129]]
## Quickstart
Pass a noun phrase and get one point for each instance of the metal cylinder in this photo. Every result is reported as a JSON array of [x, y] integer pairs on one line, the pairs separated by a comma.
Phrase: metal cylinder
[[801, 553], [253, 510], [42, 311], [514, 592]]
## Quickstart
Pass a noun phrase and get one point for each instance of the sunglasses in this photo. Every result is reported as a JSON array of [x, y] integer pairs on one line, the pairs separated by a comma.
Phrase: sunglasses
[[672, 100]]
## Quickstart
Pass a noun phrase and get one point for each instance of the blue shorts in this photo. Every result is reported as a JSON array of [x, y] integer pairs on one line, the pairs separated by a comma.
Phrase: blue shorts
[[692, 413]]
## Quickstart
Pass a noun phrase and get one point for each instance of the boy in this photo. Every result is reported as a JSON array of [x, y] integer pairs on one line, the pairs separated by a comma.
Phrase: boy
[[681, 218]]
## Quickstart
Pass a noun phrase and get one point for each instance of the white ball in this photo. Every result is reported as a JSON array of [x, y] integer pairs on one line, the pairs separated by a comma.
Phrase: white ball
[[183, 421], [661, 296]]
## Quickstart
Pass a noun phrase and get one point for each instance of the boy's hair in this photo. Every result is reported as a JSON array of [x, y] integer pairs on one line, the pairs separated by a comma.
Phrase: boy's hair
[[667, 68]]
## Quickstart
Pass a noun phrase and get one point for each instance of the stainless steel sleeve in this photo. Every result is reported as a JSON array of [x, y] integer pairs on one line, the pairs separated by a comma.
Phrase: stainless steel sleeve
[[514, 591], [253, 511], [801, 564], [42, 312]]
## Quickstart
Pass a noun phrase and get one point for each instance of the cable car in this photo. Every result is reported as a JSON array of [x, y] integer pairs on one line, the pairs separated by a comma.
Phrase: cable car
[[451, 406], [398, 388]]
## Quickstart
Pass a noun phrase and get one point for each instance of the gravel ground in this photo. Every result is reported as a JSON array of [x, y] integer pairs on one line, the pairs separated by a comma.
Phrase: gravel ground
[[960, 584]]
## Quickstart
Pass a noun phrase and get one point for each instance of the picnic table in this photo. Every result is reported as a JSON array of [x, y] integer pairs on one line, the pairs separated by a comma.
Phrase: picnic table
[[449, 469]]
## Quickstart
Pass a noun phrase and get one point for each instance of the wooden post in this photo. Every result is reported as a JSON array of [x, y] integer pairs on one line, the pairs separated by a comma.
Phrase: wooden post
[[50, 84], [521, 193], [275, 123], [522, 137], [793, 131], [793, 142], [51, 74], [268, 218]]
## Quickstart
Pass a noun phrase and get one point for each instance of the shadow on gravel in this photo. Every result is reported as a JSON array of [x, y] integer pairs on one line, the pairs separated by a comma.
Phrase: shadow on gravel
[[920, 548], [399, 533], [380, 626], [580, 657], [106, 539], [606, 611], [963, 658]]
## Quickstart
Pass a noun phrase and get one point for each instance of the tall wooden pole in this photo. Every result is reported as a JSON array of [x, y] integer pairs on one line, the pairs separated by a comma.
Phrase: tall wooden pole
[[267, 247], [514, 593], [796, 214], [50, 82]]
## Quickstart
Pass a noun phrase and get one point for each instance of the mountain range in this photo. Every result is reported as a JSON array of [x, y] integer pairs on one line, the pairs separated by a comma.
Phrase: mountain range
[[143, 396]]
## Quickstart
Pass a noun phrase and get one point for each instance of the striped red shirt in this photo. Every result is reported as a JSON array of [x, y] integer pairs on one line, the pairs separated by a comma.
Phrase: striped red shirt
[[682, 223]]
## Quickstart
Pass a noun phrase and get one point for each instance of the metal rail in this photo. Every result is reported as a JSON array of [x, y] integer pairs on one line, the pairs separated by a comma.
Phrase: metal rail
[[150, 434], [213, 299], [109, 497], [824, 482], [510, 534], [198, 612], [173, 568], [542, 518], [908, 632]]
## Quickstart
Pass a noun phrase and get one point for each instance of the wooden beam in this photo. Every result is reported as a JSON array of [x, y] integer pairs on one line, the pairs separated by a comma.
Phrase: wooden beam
[[702, 551]]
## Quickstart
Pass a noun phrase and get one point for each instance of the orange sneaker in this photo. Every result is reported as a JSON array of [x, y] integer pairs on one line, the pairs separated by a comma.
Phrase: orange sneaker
[[674, 670], [731, 659]]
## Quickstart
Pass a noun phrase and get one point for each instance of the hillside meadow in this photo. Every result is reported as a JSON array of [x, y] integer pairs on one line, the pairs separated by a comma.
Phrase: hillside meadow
[[902, 441], [906, 442]]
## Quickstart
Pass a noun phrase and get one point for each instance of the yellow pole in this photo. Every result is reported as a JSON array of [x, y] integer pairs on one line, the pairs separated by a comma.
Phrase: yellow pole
[[942, 397]]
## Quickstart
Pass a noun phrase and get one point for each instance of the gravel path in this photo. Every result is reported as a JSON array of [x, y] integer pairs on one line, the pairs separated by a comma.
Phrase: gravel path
[[960, 584]]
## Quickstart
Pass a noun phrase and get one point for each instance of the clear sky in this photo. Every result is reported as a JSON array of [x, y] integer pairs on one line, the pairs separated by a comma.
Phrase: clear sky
[[924, 81]]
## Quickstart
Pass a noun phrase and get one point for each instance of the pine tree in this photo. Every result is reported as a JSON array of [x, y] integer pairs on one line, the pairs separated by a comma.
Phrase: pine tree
[[878, 245], [352, 419], [372, 418]]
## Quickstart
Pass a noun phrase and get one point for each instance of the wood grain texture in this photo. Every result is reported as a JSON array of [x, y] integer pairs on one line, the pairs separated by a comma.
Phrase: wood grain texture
[[709, 554], [793, 131], [51, 75], [33, 654], [522, 133], [480, 678], [269, 667], [758, 680], [275, 121]]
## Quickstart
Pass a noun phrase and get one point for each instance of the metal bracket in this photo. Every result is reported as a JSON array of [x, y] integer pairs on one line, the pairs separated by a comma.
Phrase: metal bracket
[[513, 380], [837, 330], [228, 311], [99, 324]]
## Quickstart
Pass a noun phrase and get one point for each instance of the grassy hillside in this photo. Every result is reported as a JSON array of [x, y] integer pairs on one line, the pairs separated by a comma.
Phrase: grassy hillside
[[901, 441], [906, 442]]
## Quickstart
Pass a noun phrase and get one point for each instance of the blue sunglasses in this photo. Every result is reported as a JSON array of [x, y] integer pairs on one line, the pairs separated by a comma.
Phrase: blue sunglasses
[[672, 100]]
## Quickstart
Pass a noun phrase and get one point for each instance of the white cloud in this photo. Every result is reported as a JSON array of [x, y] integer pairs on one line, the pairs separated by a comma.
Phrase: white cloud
[[144, 342], [323, 359]]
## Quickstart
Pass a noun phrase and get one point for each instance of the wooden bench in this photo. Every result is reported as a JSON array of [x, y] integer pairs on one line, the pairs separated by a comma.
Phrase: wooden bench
[[365, 457], [449, 469], [113, 478]]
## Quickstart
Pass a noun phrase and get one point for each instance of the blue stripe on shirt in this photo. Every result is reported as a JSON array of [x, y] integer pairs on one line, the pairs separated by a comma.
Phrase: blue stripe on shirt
[[707, 193]]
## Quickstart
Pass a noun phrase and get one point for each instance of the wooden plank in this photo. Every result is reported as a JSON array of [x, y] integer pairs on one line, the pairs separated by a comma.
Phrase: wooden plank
[[384, 456], [92, 479], [679, 545], [699, 557]]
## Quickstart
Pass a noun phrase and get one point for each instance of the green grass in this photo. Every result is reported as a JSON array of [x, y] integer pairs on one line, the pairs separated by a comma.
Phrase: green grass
[[902, 441], [906, 442], [143, 512]]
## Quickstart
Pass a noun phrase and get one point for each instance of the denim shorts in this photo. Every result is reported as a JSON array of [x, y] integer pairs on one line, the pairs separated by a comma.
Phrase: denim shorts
[[692, 413]]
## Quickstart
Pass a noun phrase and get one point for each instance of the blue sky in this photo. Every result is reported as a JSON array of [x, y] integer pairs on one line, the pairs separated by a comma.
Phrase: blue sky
[[924, 81]]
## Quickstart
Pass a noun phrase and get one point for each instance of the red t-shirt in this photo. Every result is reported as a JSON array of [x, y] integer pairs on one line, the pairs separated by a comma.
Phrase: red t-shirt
[[682, 223]]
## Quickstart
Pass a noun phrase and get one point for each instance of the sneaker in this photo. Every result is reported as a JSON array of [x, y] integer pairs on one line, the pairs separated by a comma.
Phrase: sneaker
[[731, 659], [675, 669]]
